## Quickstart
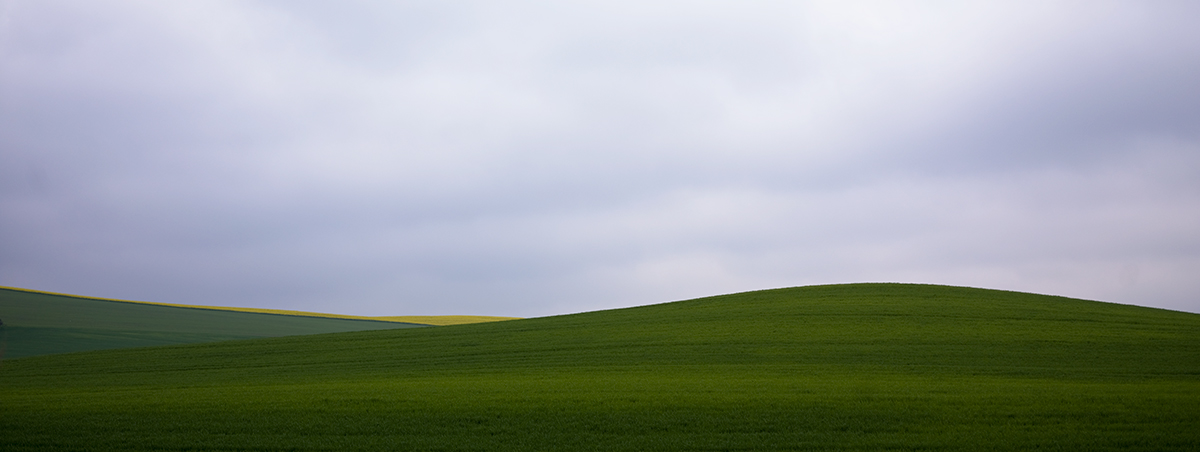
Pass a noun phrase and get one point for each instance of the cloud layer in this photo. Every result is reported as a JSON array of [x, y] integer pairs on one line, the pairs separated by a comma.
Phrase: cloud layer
[[535, 158]]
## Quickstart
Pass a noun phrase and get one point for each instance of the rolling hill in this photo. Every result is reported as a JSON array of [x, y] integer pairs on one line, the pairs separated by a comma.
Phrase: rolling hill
[[41, 323], [842, 367]]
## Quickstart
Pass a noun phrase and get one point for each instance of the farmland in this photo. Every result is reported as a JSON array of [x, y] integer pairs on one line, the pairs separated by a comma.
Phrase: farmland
[[843, 367], [41, 323]]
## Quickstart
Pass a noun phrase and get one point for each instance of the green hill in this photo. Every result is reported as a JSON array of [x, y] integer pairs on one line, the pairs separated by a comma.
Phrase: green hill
[[41, 323], [844, 367]]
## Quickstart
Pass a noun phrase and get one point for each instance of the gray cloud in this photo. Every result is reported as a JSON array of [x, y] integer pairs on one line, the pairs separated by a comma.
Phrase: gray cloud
[[532, 158]]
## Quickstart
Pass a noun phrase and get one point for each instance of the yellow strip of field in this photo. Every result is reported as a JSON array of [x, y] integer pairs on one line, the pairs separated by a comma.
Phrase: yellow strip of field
[[438, 320], [442, 320]]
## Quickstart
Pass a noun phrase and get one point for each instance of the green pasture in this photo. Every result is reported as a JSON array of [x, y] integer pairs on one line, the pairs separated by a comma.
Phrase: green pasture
[[40, 324], [845, 367]]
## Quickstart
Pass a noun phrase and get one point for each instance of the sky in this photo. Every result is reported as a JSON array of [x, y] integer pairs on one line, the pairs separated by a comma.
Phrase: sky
[[533, 158]]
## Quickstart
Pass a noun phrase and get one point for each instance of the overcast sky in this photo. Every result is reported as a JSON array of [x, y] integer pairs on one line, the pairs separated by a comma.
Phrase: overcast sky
[[531, 158]]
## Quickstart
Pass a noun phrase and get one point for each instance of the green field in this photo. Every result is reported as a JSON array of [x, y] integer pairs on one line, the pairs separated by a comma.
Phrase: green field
[[40, 323], [844, 367]]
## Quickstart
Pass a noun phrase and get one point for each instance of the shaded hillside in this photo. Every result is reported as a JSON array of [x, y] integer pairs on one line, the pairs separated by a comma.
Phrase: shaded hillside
[[38, 323]]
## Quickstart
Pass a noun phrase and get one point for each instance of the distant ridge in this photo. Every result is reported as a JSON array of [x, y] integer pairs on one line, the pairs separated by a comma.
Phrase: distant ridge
[[443, 320], [40, 323], [436, 320]]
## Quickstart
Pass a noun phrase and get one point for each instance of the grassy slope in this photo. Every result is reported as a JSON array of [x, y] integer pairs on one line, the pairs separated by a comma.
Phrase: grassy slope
[[848, 367], [437, 320], [40, 323]]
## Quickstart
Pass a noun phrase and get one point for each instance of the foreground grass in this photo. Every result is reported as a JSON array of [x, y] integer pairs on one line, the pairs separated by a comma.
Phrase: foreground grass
[[853, 367]]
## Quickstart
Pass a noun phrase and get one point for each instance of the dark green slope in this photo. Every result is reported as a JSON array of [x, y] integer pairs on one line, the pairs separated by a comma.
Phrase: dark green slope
[[41, 324], [845, 367]]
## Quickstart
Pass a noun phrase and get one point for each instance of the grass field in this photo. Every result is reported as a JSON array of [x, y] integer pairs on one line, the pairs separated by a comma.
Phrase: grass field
[[42, 323], [845, 367]]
